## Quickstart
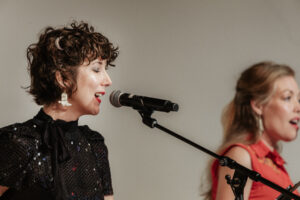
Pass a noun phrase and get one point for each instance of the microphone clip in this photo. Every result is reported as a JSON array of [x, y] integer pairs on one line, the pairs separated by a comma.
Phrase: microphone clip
[[146, 117]]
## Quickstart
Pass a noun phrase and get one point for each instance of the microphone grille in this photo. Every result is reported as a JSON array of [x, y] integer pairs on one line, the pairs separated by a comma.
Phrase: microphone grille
[[114, 98]]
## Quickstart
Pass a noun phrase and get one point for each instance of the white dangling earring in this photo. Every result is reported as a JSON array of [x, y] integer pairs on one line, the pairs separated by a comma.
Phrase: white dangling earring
[[260, 125], [64, 99]]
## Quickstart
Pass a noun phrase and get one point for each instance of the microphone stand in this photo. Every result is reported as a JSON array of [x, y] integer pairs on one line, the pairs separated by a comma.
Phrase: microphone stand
[[241, 173]]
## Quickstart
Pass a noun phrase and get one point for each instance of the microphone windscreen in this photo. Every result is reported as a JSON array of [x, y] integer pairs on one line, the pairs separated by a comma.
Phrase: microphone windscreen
[[114, 98]]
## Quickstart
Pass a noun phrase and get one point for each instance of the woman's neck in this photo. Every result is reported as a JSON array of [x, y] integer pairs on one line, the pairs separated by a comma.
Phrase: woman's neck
[[269, 142], [56, 111]]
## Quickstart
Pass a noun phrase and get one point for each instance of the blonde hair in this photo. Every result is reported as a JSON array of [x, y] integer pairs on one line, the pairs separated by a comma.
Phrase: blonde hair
[[240, 124]]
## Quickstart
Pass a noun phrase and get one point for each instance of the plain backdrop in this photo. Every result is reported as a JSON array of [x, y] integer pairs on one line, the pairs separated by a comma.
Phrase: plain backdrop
[[188, 51]]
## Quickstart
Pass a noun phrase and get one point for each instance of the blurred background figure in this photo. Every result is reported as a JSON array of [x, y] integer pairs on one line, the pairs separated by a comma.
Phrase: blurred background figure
[[264, 111]]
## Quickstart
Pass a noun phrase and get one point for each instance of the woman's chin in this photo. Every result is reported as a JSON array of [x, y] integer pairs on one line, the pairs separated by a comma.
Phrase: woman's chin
[[290, 138], [95, 111]]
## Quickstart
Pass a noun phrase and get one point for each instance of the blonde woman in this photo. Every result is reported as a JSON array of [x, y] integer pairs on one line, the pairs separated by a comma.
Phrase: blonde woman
[[264, 111]]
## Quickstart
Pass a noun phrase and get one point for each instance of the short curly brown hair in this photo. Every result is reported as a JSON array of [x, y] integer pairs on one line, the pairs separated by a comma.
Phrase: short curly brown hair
[[63, 50]]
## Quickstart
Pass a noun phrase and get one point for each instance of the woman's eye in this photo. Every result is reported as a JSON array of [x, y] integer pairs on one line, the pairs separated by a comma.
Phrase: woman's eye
[[96, 69], [287, 98]]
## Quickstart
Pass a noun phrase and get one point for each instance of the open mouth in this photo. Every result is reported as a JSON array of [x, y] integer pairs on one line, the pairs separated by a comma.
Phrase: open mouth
[[295, 122], [98, 96]]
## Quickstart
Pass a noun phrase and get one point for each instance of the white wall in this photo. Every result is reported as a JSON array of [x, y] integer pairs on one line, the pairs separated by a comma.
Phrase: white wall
[[187, 51]]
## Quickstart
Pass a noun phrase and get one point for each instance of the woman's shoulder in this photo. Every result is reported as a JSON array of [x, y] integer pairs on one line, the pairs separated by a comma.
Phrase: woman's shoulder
[[239, 152], [17, 143], [90, 134], [18, 138], [236, 148], [95, 139], [19, 130]]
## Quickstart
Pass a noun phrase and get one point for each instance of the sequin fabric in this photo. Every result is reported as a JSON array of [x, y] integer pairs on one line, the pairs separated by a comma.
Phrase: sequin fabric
[[72, 165]]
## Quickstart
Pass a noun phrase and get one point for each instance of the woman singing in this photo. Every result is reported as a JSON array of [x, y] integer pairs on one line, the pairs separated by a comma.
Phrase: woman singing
[[264, 111], [50, 156]]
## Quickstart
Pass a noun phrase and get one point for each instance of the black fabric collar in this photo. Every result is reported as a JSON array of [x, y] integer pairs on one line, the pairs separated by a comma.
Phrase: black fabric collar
[[67, 127], [26, 129], [43, 117]]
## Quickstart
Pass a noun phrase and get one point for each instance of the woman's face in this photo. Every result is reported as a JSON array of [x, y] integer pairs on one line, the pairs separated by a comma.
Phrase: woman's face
[[92, 80], [282, 112]]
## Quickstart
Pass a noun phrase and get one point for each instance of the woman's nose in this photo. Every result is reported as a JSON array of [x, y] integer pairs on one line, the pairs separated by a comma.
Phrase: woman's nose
[[106, 81], [297, 106]]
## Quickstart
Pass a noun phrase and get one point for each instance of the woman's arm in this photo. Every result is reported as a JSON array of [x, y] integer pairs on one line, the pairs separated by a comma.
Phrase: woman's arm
[[224, 191], [110, 197], [2, 190]]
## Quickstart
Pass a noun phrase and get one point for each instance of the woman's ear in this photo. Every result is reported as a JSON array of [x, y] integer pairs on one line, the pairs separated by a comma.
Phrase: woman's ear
[[256, 107], [59, 79]]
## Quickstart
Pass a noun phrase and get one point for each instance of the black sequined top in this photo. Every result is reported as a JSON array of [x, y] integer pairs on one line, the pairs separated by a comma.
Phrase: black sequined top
[[44, 158]]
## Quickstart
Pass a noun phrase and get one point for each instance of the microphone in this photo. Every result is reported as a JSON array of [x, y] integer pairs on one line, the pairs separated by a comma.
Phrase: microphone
[[118, 99]]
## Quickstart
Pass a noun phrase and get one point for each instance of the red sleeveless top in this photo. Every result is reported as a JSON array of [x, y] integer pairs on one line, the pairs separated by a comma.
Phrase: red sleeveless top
[[269, 164]]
